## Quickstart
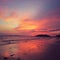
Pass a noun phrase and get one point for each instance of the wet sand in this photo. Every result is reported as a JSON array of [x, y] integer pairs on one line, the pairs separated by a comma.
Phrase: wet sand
[[52, 52]]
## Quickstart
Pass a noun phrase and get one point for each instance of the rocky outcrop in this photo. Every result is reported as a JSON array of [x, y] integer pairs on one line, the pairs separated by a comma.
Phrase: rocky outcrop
[[58, 35], [42, 35]]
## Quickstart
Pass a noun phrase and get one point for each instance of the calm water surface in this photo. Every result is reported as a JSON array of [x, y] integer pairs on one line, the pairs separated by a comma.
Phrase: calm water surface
[[30, 48]]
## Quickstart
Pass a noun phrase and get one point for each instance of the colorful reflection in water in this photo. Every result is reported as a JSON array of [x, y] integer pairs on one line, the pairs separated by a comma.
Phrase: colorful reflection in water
[[25, 49]]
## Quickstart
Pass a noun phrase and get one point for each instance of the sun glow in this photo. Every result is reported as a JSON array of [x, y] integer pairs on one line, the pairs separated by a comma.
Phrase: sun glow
[[28, 27]]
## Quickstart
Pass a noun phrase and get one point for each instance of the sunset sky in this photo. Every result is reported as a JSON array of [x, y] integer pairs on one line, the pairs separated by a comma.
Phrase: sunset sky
[[29, 17]]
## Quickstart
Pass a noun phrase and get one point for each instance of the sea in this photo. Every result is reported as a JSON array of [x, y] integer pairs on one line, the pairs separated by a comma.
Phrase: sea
[[29, 48]]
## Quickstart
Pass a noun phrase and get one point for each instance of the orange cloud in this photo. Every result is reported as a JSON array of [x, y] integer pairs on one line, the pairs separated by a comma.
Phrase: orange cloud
[[30, 26], [26, 25]]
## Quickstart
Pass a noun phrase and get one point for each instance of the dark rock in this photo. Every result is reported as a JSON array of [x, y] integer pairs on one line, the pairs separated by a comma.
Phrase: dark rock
[[42, 35], [58, 35]]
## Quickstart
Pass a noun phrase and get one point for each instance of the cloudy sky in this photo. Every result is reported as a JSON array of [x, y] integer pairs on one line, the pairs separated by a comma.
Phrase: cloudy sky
[[29, 17]]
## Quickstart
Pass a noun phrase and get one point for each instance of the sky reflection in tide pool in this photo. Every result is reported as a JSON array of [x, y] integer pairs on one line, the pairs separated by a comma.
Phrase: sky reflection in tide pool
[[24, 49]]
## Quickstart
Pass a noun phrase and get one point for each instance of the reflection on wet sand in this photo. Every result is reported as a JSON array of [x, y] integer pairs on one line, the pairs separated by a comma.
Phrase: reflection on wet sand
[[31, 50]]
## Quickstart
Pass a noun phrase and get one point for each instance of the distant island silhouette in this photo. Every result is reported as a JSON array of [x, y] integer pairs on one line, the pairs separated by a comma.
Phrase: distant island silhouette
[[58, 36], [42, 35]]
